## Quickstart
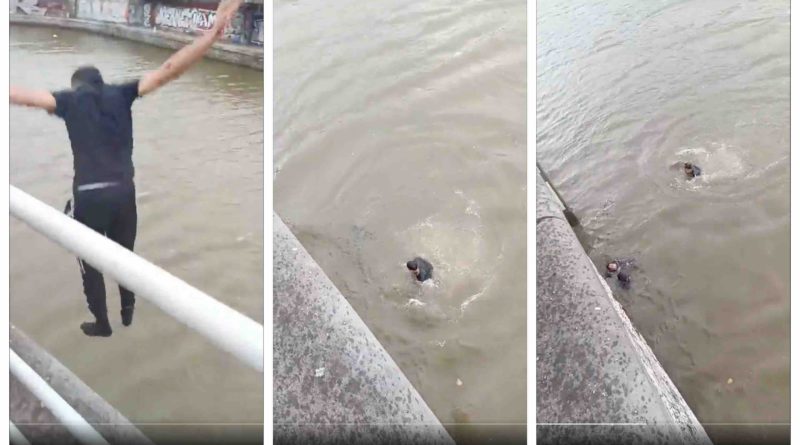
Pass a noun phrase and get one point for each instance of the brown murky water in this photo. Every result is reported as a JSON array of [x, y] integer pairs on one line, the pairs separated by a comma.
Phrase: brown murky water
[[624, 89], [198, 152], [400, 130]]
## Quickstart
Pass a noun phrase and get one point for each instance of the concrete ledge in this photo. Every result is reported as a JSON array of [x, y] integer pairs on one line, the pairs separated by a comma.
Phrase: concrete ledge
[[592, 366], [547, 204], [249, 56], [333, 381], [27, 411], [582, 434]]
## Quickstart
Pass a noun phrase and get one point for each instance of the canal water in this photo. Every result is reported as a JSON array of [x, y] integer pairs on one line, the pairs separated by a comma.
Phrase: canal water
[[400, 130], [198, 151], [624, 90]]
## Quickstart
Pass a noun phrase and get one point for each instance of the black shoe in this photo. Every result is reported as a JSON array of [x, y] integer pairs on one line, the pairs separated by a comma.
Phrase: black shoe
[[127, 315], [96, 328]]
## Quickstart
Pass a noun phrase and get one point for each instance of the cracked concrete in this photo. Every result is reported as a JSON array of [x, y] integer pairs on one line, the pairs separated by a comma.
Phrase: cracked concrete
[[333, 381]]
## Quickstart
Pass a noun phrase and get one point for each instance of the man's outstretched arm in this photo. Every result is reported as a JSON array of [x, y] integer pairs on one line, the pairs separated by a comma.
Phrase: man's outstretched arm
[[32, 98], [188, 55]]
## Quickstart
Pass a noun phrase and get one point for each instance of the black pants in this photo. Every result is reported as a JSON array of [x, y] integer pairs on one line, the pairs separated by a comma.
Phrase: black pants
[[110, 211]]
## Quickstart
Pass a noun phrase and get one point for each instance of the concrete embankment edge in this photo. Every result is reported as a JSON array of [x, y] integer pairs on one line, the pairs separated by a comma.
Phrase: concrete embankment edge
[[597, 380], [251, 57], [38, 425], [333, 380]]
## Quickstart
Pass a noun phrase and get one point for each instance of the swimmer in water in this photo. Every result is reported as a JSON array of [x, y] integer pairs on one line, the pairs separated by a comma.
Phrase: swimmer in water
[[622, 267], [689, 169], [422, 269], [99, 123]]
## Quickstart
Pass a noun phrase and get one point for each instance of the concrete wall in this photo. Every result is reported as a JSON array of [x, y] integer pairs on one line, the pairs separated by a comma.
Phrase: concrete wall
[[196, 17], [38, 425], [192, 17], [592, 366], [50, 8], [244, 55], [333, 381], [114, 11]]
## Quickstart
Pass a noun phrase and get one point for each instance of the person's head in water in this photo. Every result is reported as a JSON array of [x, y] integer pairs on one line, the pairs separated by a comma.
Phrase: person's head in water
[[612, 267], [690, 170], [87, 76], [421, 268], [412, 266]]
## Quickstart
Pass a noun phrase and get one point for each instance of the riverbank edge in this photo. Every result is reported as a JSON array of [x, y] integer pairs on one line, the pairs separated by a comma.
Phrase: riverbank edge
[[333, 380], [593, 367], [247, 56], [38, 424]]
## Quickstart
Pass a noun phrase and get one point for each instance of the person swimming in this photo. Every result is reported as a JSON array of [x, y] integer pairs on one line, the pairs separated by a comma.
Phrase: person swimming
[[689, 169], [623, 268], [421, 268]]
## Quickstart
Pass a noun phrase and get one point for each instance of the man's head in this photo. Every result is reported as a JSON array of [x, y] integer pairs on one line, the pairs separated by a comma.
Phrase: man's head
[[624, 277], [87, 76], [412, 266], [612, 266], [688, 168]]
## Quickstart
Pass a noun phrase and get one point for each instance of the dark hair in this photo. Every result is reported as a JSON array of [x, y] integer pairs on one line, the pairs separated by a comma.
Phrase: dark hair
[[87, 76], [411, 265], [624, 277]]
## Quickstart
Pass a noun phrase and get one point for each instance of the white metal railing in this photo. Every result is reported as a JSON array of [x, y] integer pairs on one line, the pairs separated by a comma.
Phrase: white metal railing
[[16, 435], [67, 415], [223, 326]]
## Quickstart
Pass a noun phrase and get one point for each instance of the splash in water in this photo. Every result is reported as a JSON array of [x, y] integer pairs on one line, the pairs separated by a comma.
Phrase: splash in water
[[719, 161], [453, 241]]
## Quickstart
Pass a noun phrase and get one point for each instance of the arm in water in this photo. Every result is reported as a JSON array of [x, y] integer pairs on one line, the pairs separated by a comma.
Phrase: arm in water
[[32, 98], [188, 55]]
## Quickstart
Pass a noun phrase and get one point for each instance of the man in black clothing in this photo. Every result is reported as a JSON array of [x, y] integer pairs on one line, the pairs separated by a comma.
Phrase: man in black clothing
[[623, 268], [690, 170], [421, 268], [99, 124]]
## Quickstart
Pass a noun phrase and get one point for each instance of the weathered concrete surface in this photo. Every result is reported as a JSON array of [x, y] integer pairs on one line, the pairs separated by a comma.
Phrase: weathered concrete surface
[[547, 204], [39, 425], [333, 381], [592, 366], [252, 57], [34, 421]]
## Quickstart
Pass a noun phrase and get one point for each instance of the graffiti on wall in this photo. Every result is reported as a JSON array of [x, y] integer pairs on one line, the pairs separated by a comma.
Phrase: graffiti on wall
[[39, 7], [192, 20], [147, 15], [235, 29], [185, 19], [258, 32], [246, 27], [104, 10]]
